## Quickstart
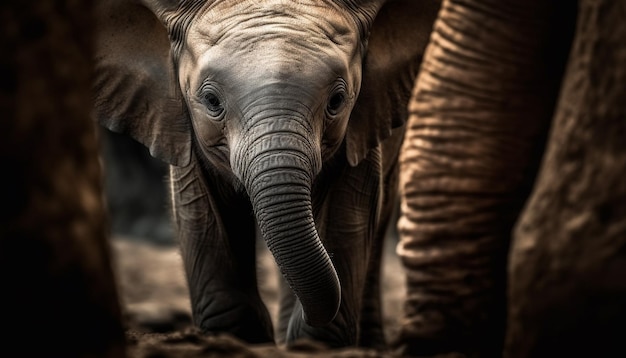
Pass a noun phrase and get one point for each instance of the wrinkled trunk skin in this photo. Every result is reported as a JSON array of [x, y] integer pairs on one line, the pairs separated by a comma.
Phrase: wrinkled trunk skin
[[568, 264], [478, 118], [277, 171]]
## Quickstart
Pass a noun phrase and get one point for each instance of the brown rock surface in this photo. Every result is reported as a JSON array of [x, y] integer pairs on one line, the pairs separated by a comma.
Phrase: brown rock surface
[[58, 295], [567, 267]]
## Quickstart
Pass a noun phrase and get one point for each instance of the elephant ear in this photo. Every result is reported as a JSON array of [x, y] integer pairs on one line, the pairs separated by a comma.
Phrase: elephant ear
[[135, 86], [396, 44]]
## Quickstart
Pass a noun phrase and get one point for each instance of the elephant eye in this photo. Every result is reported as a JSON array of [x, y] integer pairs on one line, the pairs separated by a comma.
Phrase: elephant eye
[[213, 105], [212, 100], [335, 102]]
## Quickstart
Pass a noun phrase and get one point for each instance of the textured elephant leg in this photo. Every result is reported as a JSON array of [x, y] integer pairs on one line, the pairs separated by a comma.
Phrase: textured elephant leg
[[217, 237], [347, 206], [482, 105], [371, 324], [371, 333]]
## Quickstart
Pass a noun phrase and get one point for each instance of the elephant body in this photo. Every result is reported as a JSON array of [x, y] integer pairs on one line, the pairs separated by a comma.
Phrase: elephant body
[[278, 118], [347, 204]]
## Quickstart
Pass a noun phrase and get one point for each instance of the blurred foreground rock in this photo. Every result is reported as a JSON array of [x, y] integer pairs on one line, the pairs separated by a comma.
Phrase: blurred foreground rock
[[58, 293], [567, 270]]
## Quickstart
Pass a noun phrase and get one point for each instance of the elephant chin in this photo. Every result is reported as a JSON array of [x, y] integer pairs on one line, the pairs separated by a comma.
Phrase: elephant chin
[[279, 185]]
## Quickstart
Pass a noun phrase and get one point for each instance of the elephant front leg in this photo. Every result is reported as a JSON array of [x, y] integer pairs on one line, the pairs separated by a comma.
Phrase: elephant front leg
[[216, 233], [371, 326]]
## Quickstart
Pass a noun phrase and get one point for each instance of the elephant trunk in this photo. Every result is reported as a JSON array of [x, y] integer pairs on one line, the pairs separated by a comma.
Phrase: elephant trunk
[[277, 171]]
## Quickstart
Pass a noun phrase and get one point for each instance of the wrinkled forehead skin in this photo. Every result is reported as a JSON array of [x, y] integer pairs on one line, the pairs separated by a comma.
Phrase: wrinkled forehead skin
[[257, 39]]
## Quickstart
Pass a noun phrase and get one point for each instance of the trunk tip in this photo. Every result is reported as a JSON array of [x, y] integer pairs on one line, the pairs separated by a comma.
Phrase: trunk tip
[[323, 317]]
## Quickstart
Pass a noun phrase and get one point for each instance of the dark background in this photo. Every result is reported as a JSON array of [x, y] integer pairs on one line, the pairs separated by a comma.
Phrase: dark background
[[136, 190]]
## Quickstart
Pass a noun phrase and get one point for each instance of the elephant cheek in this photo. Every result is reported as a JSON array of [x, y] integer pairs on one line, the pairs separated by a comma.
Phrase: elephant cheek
[[333, 137], [208, 133]]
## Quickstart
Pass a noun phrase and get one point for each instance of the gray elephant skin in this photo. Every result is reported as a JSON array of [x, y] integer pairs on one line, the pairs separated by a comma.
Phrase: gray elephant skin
[[286, 116]]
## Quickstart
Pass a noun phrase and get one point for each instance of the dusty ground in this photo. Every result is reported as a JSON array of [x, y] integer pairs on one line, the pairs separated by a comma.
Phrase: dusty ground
[[156, 305]]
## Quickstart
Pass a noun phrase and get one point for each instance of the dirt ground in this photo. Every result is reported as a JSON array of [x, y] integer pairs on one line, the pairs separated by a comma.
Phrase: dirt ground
[[157, 313]]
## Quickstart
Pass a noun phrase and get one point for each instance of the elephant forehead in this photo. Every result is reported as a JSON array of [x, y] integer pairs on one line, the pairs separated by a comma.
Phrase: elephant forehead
[[275, 51], [271, 59], [263, 42], [305, 23]]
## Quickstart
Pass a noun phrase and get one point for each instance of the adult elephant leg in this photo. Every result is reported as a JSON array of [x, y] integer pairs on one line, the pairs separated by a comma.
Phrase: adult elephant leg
[[217, 237], [567, 268], [346, 204], [478, 118]]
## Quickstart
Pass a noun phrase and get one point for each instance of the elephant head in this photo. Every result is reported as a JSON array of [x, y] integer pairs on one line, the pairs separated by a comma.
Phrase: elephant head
[[263, 90]]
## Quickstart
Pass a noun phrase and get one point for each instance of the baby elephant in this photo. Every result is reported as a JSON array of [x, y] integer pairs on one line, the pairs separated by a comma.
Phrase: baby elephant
[[286, 115]]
